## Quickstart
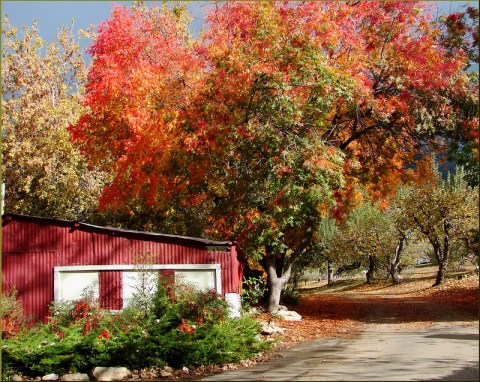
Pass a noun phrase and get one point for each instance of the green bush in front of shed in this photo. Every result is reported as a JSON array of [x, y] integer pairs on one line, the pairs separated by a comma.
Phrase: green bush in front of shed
[[183, 328]]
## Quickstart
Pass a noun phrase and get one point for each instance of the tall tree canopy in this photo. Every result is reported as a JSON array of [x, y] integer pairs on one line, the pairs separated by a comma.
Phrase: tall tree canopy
[[44, 173], [270, 118]]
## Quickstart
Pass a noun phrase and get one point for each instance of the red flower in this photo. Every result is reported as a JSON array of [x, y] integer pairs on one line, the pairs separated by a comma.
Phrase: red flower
[[171, 295], [104, 334], [185, 328]]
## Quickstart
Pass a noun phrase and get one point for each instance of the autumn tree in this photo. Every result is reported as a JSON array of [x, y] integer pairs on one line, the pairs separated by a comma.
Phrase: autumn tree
[[262, 171], [390, 51], [368, 237], [445, 211], [44, 173], [274, 115], [371, 237]]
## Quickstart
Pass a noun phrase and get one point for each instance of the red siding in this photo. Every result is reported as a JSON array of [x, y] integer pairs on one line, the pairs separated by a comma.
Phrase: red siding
[[110, 289], [32, 247]]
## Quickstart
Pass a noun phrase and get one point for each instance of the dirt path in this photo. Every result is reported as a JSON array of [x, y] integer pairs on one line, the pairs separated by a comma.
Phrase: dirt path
[[343, 311], [377, 332]]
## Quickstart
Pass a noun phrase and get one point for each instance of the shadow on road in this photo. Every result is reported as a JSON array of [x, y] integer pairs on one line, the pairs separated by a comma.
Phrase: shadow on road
[[467, 373], [471, 337]]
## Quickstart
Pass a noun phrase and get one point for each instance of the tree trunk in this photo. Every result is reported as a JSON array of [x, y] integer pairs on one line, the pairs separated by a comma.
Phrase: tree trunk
[[275, 288], [329, 272], [442, 270], [296, 280], [394, 274], [371, 269], [279, 268], [275, 284], [442, 254], [395, 264]]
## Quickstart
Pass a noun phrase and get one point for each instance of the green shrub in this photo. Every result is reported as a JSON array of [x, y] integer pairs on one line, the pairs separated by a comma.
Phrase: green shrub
[[253, 289], [200, 307], [41, 351], [186, 328], [224, 342]]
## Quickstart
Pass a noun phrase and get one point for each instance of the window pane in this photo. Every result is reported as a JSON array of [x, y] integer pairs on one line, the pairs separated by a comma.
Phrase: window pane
[[202, 279], [140, 285], [76, 285]]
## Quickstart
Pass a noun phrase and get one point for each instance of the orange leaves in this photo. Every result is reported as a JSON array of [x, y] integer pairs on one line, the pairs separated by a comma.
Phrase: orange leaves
[[136, 94], [271, 97], [186, 328], [104, 334]]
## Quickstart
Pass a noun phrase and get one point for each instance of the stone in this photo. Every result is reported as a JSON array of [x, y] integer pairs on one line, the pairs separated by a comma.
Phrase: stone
[[165, 374], [270, 329], [168, 368], [289, 315], [74, 377], [111, 373], [282, 308], [17, 378], [234, 304], [50, 377]]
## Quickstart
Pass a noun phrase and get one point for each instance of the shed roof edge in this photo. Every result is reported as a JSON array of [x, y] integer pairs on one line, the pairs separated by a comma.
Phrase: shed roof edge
[[76, 224]]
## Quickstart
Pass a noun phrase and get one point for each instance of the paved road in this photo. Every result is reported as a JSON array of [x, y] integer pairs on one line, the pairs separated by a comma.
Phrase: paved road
[[380, 353]]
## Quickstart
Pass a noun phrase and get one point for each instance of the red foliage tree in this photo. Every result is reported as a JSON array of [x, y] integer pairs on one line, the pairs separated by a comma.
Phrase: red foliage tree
[[262, 120]]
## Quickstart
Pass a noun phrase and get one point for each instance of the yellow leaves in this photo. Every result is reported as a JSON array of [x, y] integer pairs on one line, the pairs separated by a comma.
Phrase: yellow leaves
[[323, 209], [45, 174]]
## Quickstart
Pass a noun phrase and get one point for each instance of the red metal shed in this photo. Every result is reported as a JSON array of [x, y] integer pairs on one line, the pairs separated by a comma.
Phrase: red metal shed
[[50, 259]]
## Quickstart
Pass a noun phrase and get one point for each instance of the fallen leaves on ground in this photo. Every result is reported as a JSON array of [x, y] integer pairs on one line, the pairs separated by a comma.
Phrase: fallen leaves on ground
[[345, 309]]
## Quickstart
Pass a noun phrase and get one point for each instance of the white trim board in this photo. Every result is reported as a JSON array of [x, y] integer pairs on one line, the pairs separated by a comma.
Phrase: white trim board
[[130, 267], [58, 270]]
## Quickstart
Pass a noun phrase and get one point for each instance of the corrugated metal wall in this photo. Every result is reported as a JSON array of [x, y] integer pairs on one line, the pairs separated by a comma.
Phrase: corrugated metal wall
[[32, 247], [110, 289]]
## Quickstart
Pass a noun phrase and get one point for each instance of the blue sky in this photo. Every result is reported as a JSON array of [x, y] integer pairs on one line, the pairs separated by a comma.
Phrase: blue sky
[[52, 14]]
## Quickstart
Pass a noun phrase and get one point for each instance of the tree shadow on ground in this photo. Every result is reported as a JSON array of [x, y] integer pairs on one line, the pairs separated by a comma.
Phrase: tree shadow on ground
[[356, 285], [433, 308]]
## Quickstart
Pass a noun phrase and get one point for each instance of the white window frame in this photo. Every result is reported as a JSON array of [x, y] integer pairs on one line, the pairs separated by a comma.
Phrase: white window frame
[[58, 270]]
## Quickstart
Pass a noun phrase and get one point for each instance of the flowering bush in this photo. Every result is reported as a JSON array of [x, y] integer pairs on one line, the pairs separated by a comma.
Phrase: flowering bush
[[13, 319], [183, 328]]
